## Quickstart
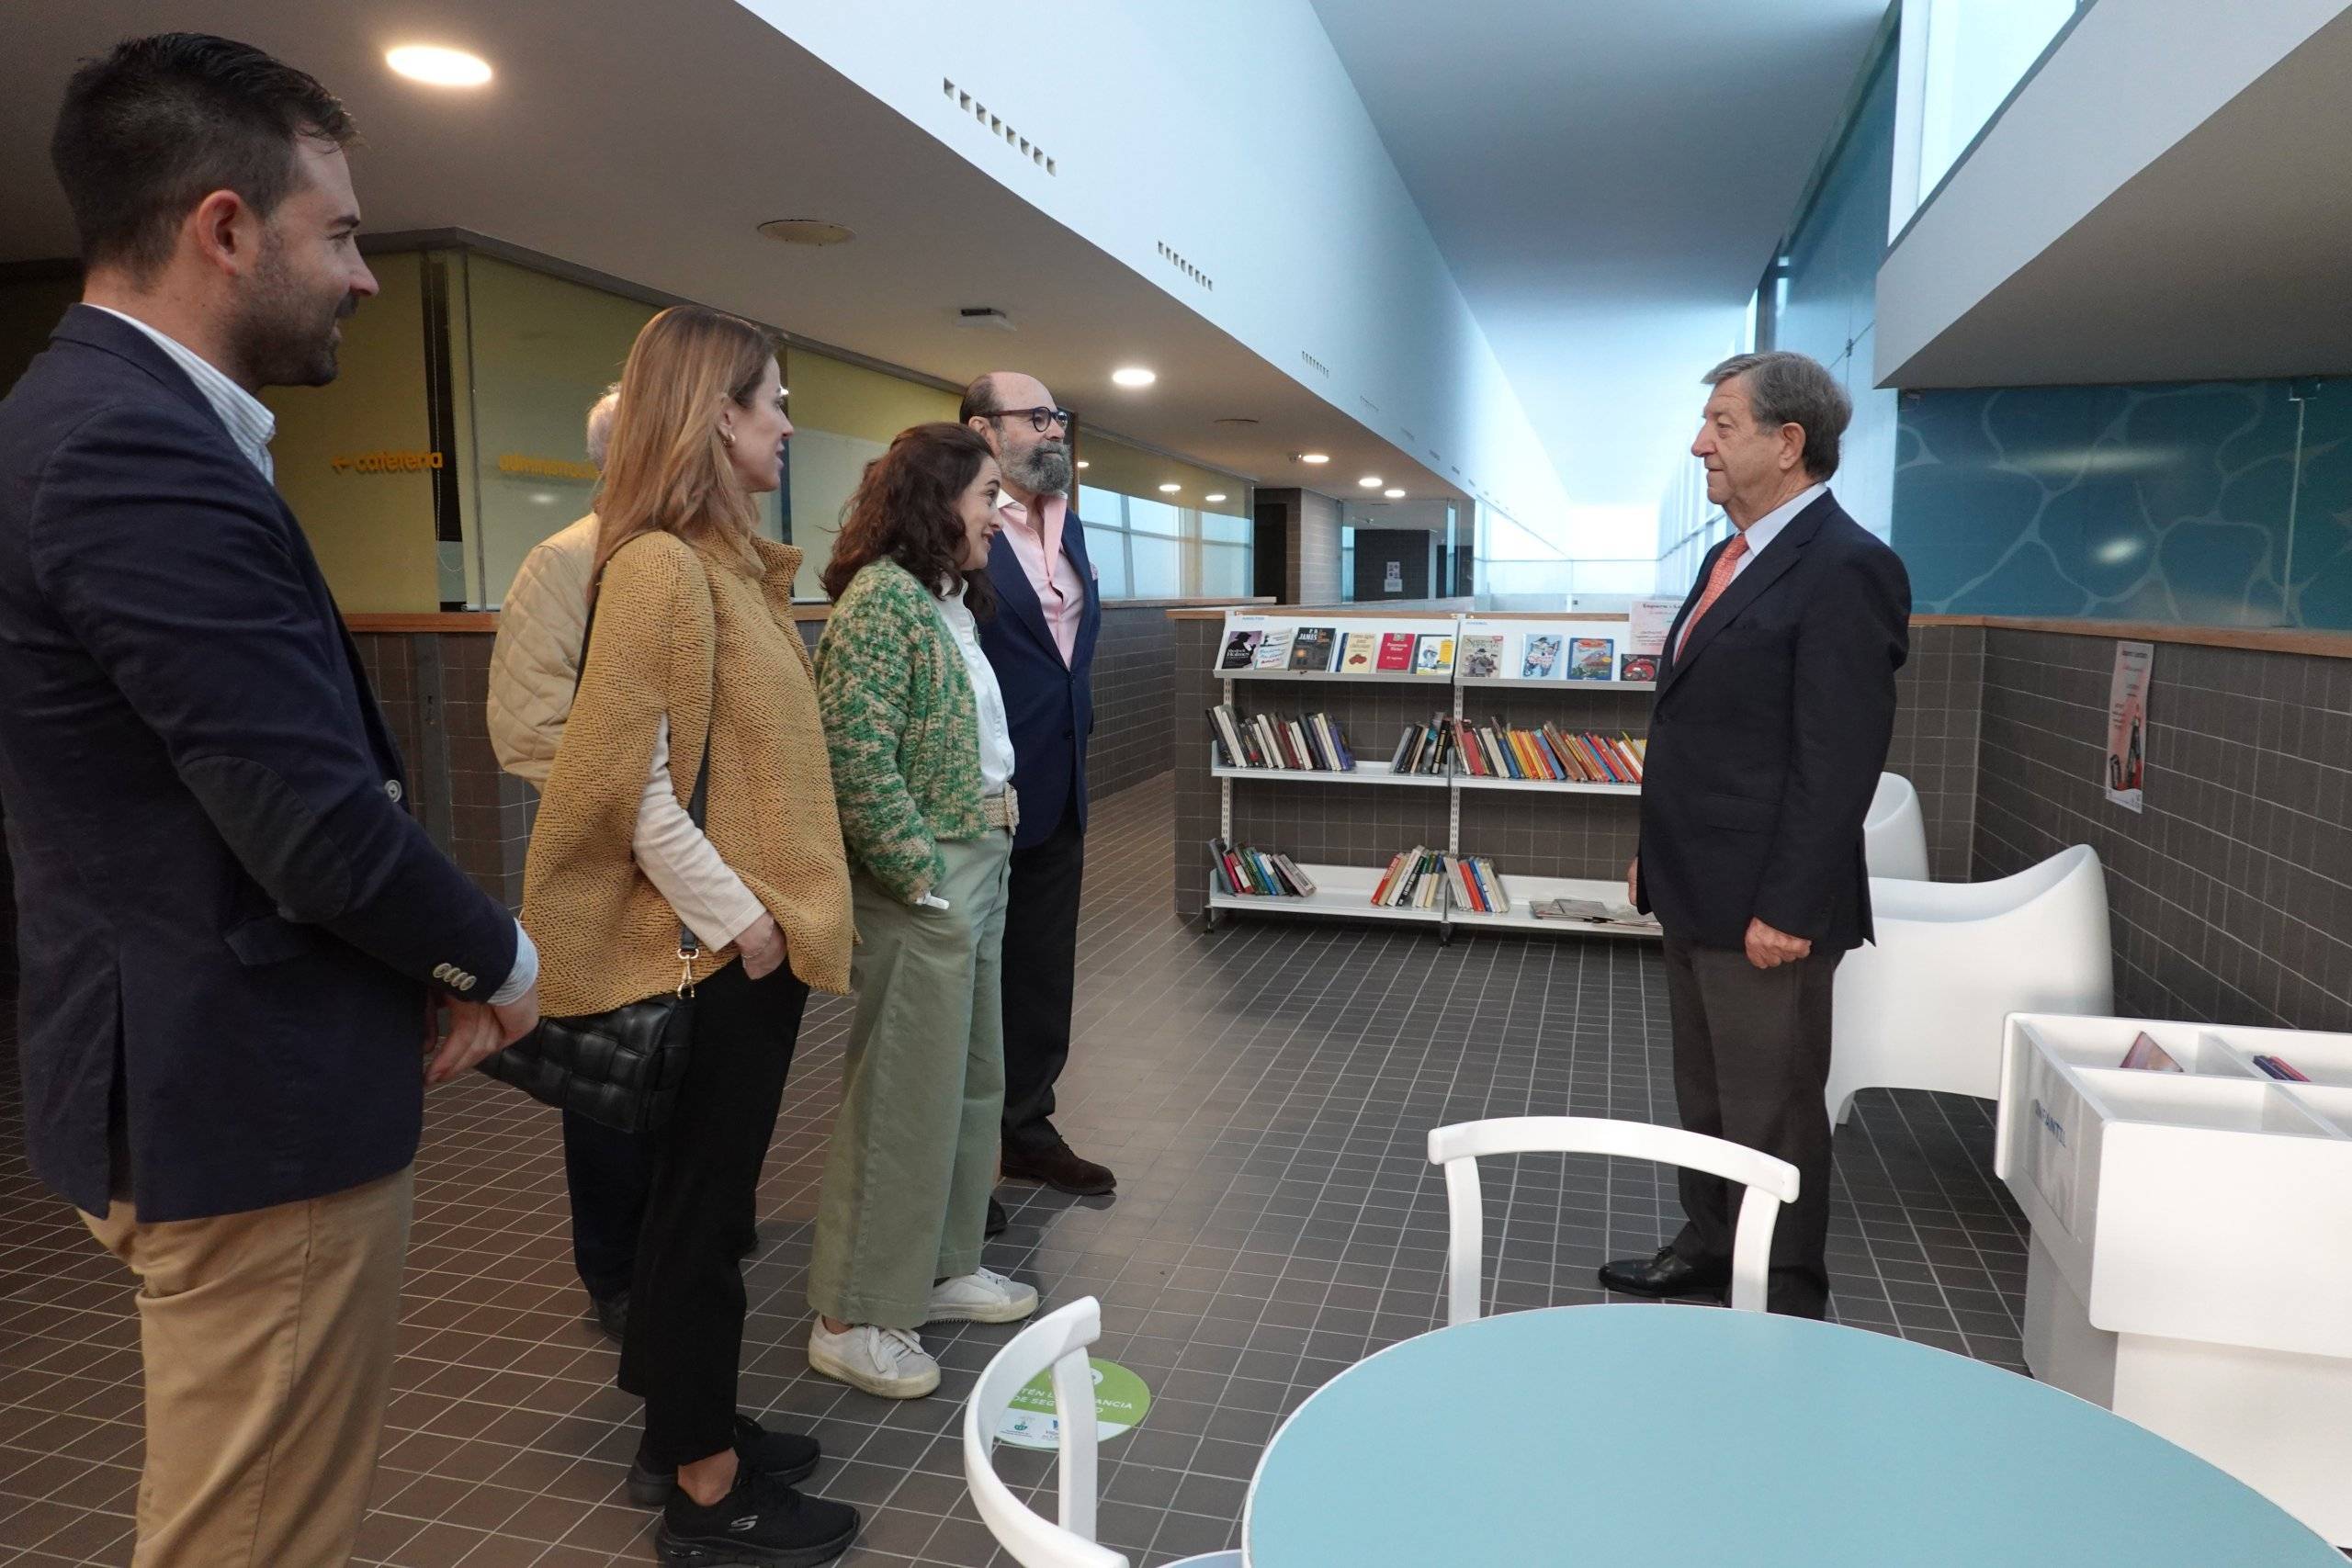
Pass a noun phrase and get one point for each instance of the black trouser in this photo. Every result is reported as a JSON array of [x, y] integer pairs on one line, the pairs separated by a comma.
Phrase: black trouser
[[1040, 976], [1751, 1065], [609, 1173], [686, 1311]]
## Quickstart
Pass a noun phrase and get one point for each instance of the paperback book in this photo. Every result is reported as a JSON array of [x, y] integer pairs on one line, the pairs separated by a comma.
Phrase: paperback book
[[1593, 659], [1311, 743], [1425, 749], [1433, 654], [1248, 872], [1482, 655], [1273, 650], [1414, 880], [1397, 650], [1592, 911], [2148, 1056], [1359, 652], [1313, 647], [1541, 659], [1476, 885], [1637, 667], [1241, 647]]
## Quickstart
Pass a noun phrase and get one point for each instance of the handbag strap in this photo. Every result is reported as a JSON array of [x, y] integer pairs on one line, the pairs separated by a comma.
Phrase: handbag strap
[[698, 803]]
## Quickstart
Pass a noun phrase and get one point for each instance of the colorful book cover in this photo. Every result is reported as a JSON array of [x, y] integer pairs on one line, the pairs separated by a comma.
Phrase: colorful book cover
[[1396, 651], [1637, 667], [1542, 658], [1240, 649], [1482, 655], [1593, 659], [2146, 1055], [1273, 652], [1313, 647], [1433, 654], [1360, 649]]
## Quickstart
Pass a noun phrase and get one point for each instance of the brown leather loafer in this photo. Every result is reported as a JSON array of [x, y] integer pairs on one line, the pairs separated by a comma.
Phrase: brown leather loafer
[[1059, 1167]]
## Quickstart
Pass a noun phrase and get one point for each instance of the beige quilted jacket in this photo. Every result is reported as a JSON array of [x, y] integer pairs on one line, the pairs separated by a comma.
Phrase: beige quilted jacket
[[535, 662]]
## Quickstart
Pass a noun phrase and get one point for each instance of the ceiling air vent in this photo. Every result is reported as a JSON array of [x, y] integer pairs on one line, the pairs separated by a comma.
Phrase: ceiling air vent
[[1314, 364], [806, 232], [1234, 421], [984, 316], [1021, 145], [1168, 253]]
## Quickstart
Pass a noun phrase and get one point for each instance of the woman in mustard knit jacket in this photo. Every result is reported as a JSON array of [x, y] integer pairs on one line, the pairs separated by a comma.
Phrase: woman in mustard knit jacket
[[922, 765], [692, 657]]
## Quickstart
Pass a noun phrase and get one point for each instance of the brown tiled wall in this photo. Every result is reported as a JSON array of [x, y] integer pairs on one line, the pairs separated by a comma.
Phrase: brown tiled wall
[[1938, 706], [434, 687], [1133, 694], [2232, 894]]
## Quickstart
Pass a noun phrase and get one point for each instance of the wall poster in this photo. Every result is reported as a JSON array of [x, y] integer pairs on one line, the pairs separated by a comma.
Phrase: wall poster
[[2126, 724]]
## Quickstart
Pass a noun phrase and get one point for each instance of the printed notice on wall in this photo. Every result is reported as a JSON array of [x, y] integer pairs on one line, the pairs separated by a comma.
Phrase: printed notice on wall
[[2126, 724], [1652, 619]]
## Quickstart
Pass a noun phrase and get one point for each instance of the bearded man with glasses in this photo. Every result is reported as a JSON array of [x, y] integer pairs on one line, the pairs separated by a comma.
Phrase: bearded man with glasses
[[1042, 648]]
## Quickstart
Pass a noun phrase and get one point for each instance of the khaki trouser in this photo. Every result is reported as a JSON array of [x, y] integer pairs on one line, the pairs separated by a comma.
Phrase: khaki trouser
[[914, 1146], [268, 1340]]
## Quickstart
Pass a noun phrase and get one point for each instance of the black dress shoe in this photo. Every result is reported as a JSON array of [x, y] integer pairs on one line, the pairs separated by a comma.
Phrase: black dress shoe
[[611, 1313], [787, 1457], [1665, 1275], [1058, 1166], [999, 1222]]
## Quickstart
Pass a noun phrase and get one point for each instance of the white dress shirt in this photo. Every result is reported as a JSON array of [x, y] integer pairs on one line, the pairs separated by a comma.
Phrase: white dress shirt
[[251, 425], [996, 730], [682, 863], [1767, 528]]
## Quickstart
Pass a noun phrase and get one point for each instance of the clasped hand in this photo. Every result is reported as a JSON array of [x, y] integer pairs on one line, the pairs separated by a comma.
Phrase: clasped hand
[[475, 1032]]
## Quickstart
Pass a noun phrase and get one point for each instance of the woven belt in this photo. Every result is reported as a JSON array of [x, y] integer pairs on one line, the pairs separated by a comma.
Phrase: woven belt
[[1001, 810]]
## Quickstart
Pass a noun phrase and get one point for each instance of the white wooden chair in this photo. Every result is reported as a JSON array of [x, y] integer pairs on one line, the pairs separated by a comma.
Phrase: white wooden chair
[[1769, 1182], [1058, 1340], [1894, 833]]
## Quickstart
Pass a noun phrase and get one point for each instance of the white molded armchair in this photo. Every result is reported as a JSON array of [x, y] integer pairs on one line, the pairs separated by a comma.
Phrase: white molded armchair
[[1923, 1008], [1770, 1182], [1894, 834]]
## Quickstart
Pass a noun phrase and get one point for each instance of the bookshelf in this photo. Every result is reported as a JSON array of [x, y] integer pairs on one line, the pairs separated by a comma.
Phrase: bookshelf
[[1533, 662]]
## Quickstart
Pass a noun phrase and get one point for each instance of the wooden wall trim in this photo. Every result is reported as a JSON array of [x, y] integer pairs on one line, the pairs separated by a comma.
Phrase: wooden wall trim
[[479, 621]]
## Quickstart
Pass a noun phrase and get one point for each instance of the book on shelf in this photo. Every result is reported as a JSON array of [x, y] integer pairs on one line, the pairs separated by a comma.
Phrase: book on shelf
[[1311, 743], [2282, 1069], [1433, 654], [2146, 1055], [1592, 911], [1415, 879], [1424, 748], [1246, 871], [1482, 655], [1547, 754], [1637, 667], [1476, 885], [1396, 651], [1359, 652], [1593, 659], [1313, 647], [1540, 661], [1240, 649], [1273, 650]]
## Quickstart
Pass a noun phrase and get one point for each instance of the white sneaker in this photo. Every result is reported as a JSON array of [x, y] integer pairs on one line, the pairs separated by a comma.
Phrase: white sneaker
[[889, 1362], [984, 1297]]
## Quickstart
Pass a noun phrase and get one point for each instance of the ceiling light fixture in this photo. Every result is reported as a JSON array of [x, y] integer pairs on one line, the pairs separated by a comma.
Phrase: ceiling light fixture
[[1392, 494], [1082, 463], [438, 67], [1170, 489], [1314, 456], [807, 232], [1214, 495], [1371, 481], [1133, 375]]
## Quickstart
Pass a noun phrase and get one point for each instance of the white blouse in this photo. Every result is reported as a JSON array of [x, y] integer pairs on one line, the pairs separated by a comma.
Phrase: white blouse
[[683, 863], [996, 731]]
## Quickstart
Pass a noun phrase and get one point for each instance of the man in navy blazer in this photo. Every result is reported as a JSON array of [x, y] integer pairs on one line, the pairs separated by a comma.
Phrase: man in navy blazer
[[1774, 707], [1041, 645], [229, 926]]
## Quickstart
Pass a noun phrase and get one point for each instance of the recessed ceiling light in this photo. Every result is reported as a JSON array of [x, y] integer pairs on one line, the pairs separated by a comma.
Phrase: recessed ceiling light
[[1392, 494], [1170, 490], [807, 232], [1133, 375], [1082, 463], [438, 67], [1215, 495], [1314, 456], [1370, 481]]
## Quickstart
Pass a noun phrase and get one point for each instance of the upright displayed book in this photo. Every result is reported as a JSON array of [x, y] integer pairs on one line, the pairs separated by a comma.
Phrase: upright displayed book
[[1240, 649], [1315, 648], [1433, 654], [1273, 650], [1540, 661], [1593, 659], [1482, 656], [1396, 651], [1359, 652], [1637, 667]]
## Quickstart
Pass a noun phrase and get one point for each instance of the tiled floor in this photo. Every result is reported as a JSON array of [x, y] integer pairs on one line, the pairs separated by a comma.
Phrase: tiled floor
[[1264, 1093]]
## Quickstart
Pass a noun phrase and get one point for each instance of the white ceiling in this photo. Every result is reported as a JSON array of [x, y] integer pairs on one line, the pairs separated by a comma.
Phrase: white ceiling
[[647, 140], [1607, 179]]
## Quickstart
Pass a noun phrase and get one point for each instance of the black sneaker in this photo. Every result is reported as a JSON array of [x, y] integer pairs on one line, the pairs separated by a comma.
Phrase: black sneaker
[[783, 1456], [763, 1523]]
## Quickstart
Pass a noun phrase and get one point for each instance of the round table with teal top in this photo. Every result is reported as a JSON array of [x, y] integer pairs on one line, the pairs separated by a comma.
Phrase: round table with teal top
[[1638, 1435]]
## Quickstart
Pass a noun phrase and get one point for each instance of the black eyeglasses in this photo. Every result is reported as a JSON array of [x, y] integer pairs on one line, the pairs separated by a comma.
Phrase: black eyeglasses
[[1038, 418]]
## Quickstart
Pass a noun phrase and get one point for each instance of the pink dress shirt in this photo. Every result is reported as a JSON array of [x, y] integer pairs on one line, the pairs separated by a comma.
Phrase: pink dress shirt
[[1052, 574]]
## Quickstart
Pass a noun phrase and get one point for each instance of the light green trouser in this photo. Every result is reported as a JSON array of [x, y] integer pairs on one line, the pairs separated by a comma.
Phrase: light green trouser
[[914, 1155]]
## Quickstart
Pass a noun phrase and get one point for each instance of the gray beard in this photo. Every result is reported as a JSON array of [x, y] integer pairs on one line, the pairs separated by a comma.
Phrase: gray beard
[[1042, 470]]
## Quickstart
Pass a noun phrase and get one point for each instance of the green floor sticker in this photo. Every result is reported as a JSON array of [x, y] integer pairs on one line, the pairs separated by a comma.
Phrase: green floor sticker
[[1120, 1401]]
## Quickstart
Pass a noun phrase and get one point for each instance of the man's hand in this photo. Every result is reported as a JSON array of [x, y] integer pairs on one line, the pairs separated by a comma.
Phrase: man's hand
[[477, 1032], [762, 947], [1634, 882], [1769, 949]]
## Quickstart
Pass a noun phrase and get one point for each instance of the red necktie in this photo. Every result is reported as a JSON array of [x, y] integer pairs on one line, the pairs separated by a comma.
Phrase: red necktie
[[1717, 581]]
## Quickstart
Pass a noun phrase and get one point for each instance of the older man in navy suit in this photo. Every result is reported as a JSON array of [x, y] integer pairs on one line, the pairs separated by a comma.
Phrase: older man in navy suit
[[230, 925], [1771, 721], [1042, 646]]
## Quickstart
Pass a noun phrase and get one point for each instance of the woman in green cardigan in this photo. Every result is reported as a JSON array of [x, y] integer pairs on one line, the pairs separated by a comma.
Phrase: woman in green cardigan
[[923, 768]]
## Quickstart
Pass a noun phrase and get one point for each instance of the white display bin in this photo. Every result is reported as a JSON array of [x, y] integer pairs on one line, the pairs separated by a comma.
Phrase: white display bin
[[2190, 1266]]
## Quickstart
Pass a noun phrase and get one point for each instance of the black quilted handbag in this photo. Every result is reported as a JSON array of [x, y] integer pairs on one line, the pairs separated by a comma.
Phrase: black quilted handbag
[[623, 1067]]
